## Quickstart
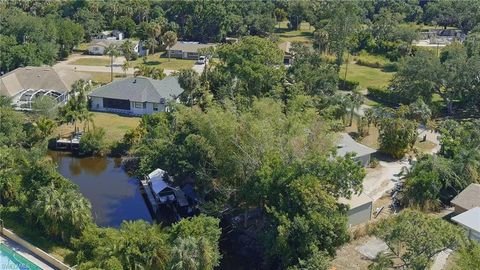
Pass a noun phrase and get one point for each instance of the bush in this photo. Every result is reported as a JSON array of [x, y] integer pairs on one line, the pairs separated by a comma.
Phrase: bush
[[390, 67], [93, 143], [385, 96], [374, 64], [347, 85]]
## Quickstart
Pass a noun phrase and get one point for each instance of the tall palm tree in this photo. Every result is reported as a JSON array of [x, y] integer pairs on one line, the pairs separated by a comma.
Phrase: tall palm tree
[[151, 43], [356, 100], [113, 51], [169, 39]]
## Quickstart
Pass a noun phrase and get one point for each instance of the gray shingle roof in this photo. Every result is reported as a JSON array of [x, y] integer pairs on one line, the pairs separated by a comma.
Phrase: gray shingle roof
[[468, 198], [47, 78], [140, 89], [469, 219], [187, 46], [347, 144]]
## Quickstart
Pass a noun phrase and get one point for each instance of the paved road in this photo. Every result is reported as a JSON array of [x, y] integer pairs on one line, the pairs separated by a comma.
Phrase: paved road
[[117, 65]]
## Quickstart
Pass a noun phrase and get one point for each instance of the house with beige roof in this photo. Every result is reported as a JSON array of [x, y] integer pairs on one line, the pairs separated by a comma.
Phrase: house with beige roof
[[188, 49], [467, 199], [25, 84]]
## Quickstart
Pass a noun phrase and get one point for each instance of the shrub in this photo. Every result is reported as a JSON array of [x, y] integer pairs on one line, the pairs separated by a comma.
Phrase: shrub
[[385, 96], [372, 64], [347, 85], [93, 143], [390, 67]]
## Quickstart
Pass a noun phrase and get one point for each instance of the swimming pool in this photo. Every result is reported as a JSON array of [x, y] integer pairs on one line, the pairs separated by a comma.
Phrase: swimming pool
[[10, 260]]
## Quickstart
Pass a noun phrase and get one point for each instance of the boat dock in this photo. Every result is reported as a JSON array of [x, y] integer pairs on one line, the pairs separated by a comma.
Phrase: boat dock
[[149, 199], [72, 143]]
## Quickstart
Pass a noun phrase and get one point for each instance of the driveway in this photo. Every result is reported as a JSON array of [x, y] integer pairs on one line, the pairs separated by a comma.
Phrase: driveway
[[381, 179], [198, 68]]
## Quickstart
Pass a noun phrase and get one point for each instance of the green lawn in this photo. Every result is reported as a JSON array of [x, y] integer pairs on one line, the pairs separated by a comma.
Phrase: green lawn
[[158, 60], [104, 77], [304, 34], [115, 125], [91, 61], [366, 76]]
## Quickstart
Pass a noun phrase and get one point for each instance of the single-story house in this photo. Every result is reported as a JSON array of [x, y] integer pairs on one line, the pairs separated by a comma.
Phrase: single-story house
[[348, 145], [99, 46], [112, 35], [360, 208], [467, 199], [470, 220], [287, 56], [188, 49], [135, 96], [25, 84]]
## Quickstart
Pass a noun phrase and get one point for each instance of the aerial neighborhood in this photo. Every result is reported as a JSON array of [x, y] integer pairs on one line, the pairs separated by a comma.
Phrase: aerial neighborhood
[[260, 134]]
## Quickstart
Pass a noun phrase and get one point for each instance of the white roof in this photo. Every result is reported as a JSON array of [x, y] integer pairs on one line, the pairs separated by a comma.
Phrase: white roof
[[356, 200], [158, 183], [469, 219], [347, 144]]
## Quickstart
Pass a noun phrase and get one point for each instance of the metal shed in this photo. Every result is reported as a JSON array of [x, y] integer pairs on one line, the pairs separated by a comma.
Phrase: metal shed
[[360, 208]]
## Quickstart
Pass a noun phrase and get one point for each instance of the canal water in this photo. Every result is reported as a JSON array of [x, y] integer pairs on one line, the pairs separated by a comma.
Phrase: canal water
[[113, 194]]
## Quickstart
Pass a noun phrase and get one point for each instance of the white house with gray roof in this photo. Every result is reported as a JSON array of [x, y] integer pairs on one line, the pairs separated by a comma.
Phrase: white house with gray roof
[[135, 96], [188, 49]]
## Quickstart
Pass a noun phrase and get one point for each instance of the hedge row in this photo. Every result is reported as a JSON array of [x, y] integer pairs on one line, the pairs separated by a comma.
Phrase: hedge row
[[385, 96], [347, 85]]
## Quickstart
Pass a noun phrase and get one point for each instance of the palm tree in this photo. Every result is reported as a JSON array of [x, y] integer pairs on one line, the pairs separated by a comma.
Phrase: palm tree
[[356, 100], [153, 31], [125, 67], [112, 51], [170, 39], [184, 254], [88, 120]]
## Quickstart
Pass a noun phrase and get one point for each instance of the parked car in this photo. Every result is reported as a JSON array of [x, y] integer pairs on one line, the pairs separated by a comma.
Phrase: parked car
[[202, 60]]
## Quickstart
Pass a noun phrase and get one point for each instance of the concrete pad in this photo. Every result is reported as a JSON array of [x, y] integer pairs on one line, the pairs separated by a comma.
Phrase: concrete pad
[[25, 253], [372, 248]]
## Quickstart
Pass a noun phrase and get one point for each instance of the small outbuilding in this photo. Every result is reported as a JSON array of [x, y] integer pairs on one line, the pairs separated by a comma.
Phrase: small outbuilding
[[347, 145], [287, 55], [467, 199], [360, 208], [470, 220]]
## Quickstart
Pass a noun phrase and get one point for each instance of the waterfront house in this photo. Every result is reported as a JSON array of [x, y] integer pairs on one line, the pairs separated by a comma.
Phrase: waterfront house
[[136, 96], [23, 85]]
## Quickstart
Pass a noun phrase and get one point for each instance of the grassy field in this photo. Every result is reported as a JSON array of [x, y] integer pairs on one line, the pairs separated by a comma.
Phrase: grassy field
[[104, 77], [115, 125], [91, 61], [162, 62], [304, 34], [366, 76]]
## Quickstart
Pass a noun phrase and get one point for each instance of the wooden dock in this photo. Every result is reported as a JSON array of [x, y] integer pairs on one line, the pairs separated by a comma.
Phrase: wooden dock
[[149, 199]]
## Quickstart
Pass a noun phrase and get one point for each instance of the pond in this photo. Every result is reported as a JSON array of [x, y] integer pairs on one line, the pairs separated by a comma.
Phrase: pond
[[113, 194]]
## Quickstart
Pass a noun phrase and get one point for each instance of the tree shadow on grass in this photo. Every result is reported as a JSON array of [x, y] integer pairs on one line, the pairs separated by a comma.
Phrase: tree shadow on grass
[[153, 63]]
